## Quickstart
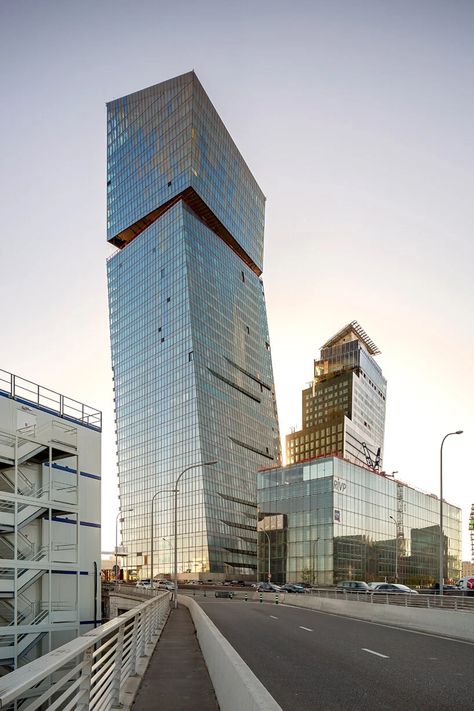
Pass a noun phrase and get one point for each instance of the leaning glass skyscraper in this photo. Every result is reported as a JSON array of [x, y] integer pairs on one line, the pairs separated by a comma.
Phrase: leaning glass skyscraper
[[191, 358]]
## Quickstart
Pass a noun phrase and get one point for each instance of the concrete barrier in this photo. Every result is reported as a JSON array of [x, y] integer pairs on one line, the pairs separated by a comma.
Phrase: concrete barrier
[[446, 623], [236, 686]]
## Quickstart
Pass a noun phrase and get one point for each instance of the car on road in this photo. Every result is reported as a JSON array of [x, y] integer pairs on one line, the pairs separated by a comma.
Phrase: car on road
[[353, 586], [394, 588], [268, 587], [292, 588], [166, 585]]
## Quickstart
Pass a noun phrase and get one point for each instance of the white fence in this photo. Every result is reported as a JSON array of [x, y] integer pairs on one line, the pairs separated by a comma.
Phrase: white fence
[[90, 672]]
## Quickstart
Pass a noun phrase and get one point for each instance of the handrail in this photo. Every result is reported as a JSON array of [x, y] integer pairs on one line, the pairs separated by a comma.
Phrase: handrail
[[91, 671], [22, 389]]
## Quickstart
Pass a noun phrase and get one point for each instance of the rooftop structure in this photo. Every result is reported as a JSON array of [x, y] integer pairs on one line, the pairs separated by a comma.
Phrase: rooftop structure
[[343, 411]]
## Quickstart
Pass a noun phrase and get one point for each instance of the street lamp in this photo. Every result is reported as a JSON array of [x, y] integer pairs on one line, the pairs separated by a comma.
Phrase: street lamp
[[396, 548], [152, 532], [116, 537], [313, 546], [192, 466], [441, 537], [269, 571]]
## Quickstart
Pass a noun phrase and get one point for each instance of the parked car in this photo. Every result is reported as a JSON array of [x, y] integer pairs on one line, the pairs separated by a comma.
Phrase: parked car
[[268, 587], [466, 583], [292, 588], [394, 588], [372, 586], [354, 586], [166, 585], [145, 583]]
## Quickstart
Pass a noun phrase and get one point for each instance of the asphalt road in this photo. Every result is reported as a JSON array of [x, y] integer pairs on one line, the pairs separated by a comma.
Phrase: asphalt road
[[311, 660]]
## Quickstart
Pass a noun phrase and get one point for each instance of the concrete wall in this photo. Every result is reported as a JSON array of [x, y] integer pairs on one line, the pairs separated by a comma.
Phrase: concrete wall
[[236, 686], [447, 623]]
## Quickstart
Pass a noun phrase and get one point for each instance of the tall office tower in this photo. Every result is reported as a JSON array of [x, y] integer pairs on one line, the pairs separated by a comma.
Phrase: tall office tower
[[344, 408], [190, 347]]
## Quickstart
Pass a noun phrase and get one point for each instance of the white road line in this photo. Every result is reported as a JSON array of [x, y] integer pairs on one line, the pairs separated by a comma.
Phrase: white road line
[[305, 628], [273, 617], [378, 624], [371, 651]]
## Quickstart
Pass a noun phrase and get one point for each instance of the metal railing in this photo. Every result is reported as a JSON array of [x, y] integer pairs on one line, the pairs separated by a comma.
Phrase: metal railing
[[91, 671], [22, 389], [459, 602], [443, 602]]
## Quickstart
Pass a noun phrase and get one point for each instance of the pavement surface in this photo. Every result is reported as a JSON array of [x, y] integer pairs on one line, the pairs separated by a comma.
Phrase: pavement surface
[[311, 660], [177, 678]]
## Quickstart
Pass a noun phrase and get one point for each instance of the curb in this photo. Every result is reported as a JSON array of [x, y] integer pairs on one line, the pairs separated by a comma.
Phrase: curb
[[235, 684]]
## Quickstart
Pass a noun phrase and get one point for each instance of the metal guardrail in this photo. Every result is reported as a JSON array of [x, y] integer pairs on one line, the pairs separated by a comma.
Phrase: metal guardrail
[[441, 602], [22, 389], [431, 602], [91, 671]]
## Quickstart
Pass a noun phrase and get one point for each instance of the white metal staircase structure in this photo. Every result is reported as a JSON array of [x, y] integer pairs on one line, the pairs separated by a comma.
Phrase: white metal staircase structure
[[35, 491]]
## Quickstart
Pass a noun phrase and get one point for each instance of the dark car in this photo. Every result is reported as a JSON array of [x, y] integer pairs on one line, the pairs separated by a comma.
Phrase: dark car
[[353, 586], [394, 588], [292, 588], [268, 587]]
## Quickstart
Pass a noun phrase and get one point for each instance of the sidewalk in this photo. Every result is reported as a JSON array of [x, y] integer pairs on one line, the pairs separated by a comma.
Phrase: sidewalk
[[177, 678]]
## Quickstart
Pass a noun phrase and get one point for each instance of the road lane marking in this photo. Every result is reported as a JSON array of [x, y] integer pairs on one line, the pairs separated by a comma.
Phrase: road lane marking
[[371, 651], [378, 624], [305, 628], [273, 617]]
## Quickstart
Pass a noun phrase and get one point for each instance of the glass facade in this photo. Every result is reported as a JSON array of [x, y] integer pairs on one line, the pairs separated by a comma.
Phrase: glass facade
[[190, 346], [329, 520], [343, 412]]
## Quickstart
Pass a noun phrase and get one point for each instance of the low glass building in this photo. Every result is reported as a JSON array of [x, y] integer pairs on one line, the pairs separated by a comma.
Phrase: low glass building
[[328, 519]]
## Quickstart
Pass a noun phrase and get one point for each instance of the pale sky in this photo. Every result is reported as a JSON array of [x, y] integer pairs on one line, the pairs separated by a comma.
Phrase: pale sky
[[356, 119]]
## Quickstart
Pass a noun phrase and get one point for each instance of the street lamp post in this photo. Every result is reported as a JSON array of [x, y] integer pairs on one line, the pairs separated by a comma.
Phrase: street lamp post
[[152, 531], [441, 537], [313, 557], [396, 548], [269, 576], [116, 537], [175, 490]]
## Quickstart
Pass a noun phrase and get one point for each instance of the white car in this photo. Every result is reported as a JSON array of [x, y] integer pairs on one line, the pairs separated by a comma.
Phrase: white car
[[466, 583], [393, 588], [166, 585]]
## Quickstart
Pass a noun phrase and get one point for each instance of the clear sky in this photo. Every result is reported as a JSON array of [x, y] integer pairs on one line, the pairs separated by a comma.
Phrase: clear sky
[[357, 120]]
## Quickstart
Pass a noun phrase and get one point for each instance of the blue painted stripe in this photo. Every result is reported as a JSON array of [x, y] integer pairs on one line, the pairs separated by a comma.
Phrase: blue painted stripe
[[90, 622], [71, 470], [92, 525], [69, 572], [70, 520]]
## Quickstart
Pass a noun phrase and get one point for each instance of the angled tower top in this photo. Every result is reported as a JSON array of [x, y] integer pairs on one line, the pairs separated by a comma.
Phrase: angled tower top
[[167, 143], [352, 332]]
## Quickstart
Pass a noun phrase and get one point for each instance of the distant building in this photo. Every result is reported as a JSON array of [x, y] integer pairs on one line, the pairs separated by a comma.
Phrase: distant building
[[49, 519], [467, 568], [471, 531], [343, 411], [329, 520], [191, 352]]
